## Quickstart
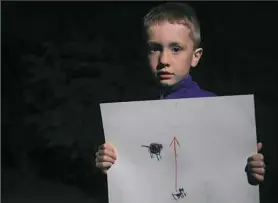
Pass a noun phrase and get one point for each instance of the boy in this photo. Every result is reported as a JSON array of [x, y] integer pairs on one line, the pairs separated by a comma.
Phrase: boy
[[173, 39]]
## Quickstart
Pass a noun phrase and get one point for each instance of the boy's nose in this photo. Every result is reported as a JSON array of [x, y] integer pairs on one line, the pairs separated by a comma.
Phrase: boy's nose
[[164, 58]]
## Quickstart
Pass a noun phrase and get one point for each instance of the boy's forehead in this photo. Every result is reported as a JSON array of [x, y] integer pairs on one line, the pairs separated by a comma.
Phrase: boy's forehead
[[166, 31]]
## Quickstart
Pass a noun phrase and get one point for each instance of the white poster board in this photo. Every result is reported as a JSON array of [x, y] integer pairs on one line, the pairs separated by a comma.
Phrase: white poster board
[[213, 137]]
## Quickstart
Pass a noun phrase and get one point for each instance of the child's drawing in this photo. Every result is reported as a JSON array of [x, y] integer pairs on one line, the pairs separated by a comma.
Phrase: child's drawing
[[179, 192], [154, 150], [179, 195]]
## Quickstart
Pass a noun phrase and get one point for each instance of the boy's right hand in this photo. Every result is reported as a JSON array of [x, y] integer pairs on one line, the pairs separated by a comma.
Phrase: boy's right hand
[[105, 157]]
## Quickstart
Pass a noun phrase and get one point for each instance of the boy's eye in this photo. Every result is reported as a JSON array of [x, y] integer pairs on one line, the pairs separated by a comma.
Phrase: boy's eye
[[154, 48], [176, 49]]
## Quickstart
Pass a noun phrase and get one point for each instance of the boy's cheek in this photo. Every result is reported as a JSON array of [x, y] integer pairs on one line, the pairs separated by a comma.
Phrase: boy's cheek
[[153, 63]]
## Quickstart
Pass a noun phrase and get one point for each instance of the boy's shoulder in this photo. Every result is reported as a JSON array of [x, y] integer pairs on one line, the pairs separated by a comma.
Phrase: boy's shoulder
[[190, 89], [203, 93]]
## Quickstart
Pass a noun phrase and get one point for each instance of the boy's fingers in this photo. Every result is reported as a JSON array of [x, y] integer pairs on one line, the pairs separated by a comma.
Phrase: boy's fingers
[[103, 165], [258, 177], [259, 171], [106, 152], [256, 157], [256, 164], [108, 146], [101, 147], [105, 159]]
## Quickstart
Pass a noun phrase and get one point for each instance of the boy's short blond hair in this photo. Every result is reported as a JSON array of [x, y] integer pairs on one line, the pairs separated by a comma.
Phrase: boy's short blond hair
[[175, 13]]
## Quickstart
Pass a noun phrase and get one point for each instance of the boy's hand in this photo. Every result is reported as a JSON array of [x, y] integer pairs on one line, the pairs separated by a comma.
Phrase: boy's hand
[[255, 167], [105, 157]]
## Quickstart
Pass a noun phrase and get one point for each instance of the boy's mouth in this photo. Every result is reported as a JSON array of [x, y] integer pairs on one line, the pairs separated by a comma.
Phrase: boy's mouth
[[164, 75]]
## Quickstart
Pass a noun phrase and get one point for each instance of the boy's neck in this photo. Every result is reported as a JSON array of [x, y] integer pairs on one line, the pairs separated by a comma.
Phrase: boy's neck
[[166, 90]]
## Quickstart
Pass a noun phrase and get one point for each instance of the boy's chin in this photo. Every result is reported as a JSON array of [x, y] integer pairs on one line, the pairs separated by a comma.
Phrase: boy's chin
[[167, 83]]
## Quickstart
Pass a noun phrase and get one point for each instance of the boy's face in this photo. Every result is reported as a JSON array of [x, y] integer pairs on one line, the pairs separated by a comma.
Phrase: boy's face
[[171, 52]]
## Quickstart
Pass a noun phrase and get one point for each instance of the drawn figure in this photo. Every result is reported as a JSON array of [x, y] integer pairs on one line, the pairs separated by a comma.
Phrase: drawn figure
[[180, 194], [154, 149]]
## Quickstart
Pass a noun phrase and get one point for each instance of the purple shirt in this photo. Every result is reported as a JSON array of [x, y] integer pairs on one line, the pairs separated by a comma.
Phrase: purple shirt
[[187, 88]]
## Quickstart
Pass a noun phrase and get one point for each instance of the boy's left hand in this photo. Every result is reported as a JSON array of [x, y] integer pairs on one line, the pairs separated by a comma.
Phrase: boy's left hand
[[255, 167]]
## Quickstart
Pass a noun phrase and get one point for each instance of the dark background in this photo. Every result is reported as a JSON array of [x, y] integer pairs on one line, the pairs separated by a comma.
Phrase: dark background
[[61, 59]]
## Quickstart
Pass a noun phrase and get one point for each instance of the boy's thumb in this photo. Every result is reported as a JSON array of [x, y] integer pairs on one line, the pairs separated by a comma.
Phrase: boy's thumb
[[259, 146]]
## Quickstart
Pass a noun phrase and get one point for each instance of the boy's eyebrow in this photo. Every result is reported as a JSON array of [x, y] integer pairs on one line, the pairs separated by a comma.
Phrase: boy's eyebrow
[[153, 42], [172, 44]]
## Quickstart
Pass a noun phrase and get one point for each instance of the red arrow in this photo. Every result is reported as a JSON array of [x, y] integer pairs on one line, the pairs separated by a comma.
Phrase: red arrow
[[175, 142]]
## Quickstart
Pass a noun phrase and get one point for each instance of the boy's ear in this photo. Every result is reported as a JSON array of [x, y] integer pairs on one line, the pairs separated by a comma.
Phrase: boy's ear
[[196, 57]]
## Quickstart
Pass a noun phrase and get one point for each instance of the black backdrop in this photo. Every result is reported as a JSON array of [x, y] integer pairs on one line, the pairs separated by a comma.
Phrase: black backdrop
[[61, 59]]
